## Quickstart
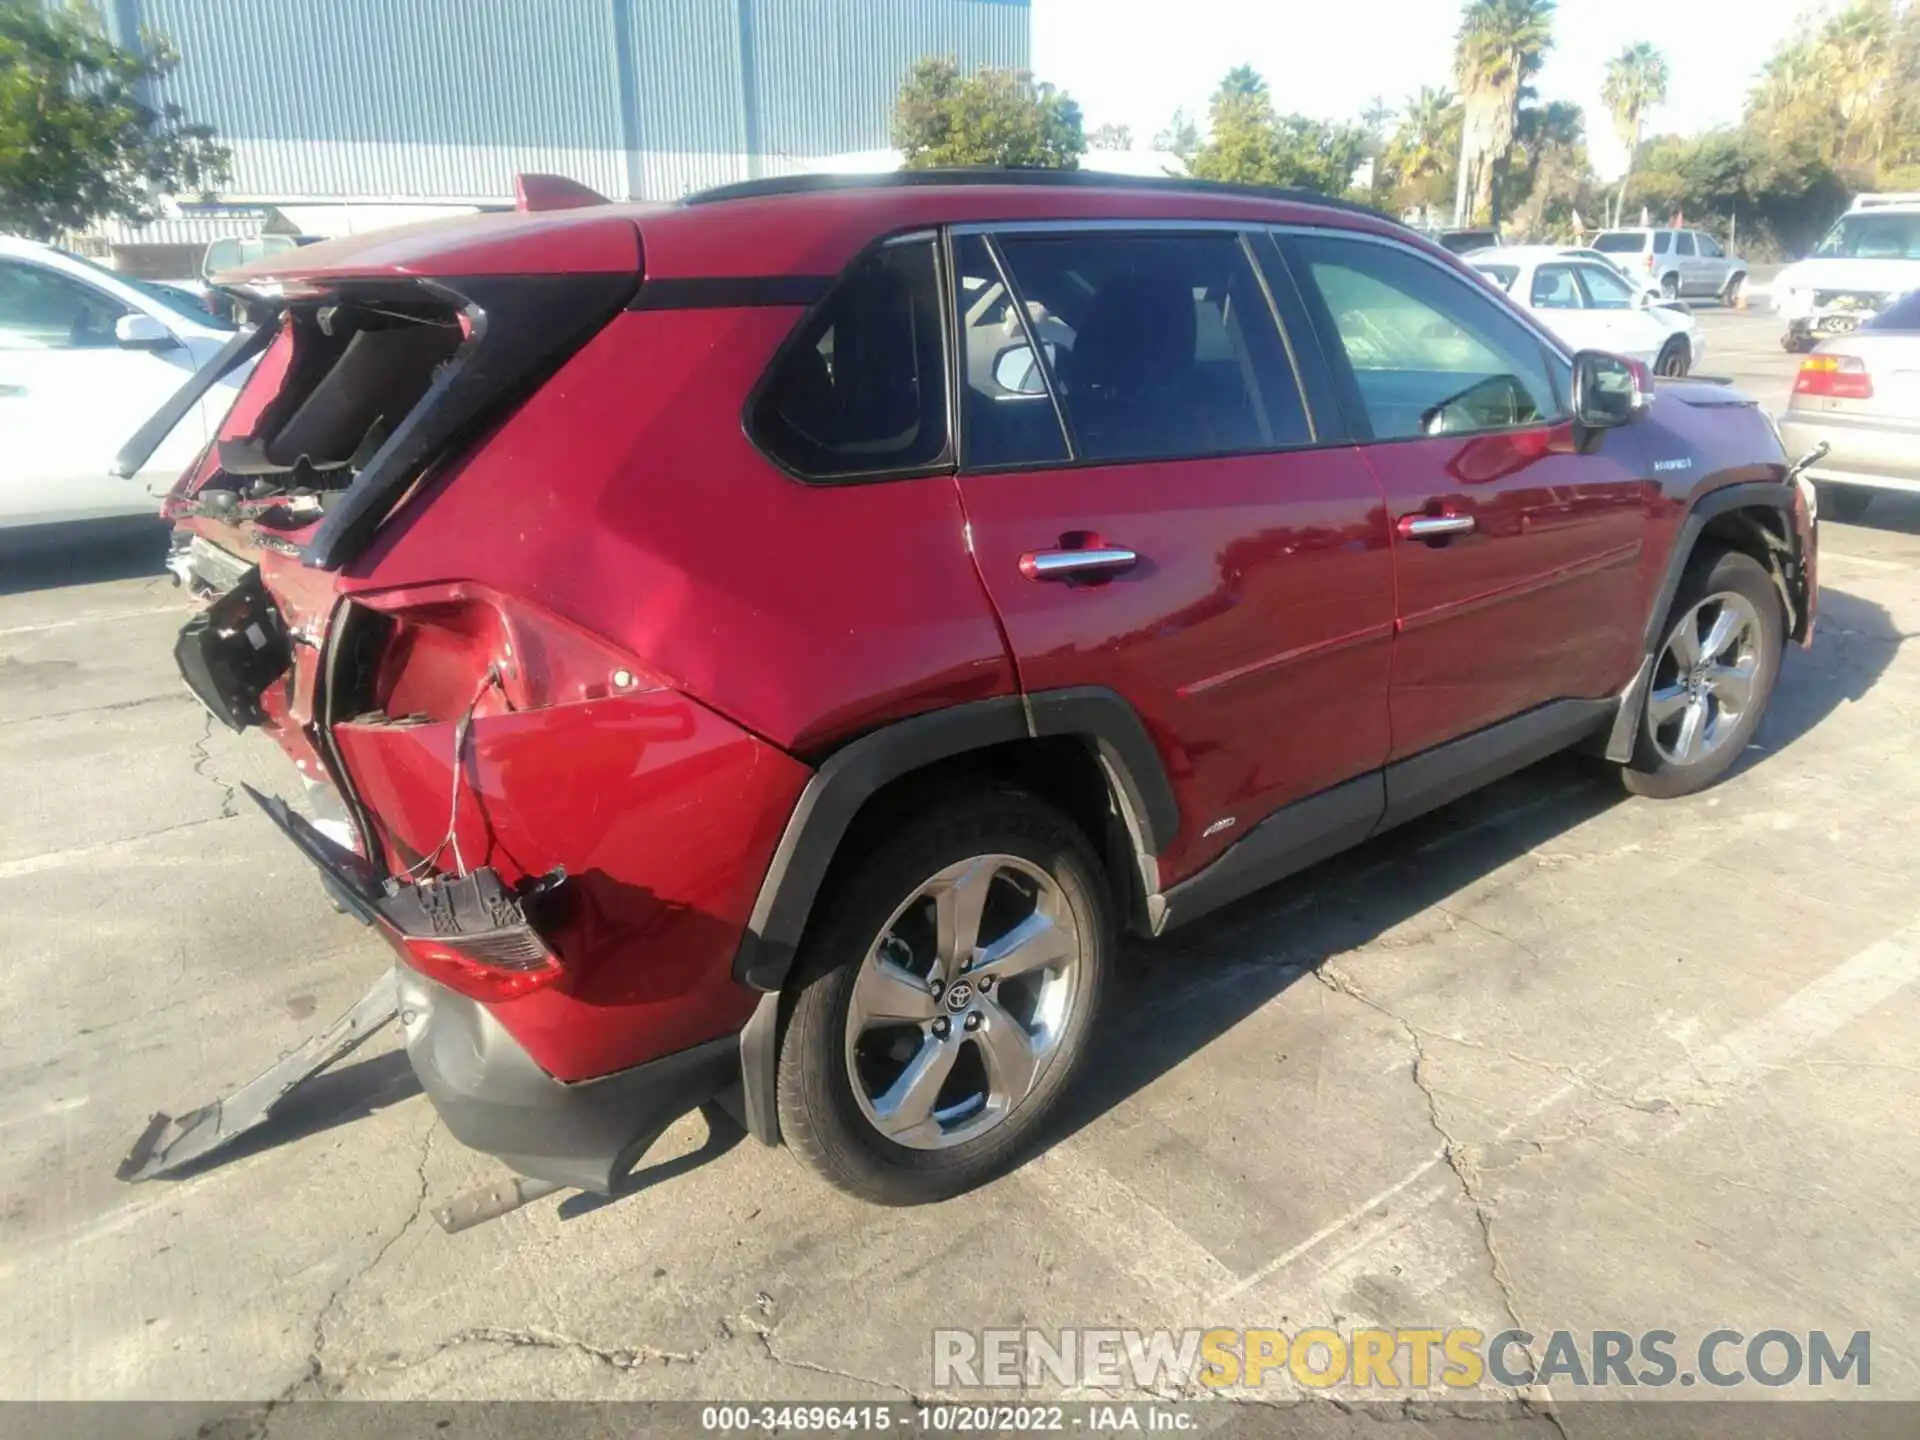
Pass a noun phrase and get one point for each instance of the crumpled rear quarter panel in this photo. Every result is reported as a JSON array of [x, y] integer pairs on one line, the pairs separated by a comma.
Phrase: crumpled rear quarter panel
[[665, 817]]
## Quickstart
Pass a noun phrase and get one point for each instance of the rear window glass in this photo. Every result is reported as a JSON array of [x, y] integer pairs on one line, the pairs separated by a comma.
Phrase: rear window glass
[[1460, 242], [1619, 242], [863, 390], [1501, 275], [1903, 314]]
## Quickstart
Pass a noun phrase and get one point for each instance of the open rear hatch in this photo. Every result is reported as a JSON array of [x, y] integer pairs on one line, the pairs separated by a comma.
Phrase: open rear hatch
[[376, 364], [368, 380]]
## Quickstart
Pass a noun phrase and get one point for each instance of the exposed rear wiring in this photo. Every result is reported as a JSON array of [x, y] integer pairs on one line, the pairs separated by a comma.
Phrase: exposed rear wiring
[[451, 840]]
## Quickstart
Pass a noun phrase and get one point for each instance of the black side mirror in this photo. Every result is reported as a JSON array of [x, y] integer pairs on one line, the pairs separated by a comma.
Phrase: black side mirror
[[1608, 390]]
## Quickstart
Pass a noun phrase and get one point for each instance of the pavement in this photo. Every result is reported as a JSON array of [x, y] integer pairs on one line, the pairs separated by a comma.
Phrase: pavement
[[1551, 1056]]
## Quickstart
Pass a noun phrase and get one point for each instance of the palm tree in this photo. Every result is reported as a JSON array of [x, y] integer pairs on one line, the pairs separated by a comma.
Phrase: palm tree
[[1854, 53], [1423, 143], [1636, 82], [1499, 46]]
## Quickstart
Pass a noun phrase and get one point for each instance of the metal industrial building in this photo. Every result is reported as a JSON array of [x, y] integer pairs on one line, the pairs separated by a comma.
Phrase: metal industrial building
[[366, 106]]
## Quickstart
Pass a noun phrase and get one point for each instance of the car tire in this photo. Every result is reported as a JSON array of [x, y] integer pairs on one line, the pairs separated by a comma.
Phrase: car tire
[[1845, 502], [1797, 344], [1676, 359], [1696, 719], [869, 1030], [1734, 296], [1670, 287]]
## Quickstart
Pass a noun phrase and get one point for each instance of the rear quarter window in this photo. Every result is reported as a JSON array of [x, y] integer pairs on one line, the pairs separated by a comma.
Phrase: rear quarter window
[[861, 391]]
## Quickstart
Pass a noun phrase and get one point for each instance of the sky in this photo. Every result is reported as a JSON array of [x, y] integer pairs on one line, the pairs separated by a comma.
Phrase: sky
[[1135, 64]]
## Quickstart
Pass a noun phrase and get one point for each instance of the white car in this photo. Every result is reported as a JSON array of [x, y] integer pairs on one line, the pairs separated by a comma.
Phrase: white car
[[86, 357], [1588, 305], [1868, 260], [1641, 285]]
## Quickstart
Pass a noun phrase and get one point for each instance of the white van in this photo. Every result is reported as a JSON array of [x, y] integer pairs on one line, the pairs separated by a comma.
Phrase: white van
[[1869, 259]]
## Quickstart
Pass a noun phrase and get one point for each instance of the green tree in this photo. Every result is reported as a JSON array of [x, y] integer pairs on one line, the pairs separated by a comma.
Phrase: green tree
[[1181, 137], [1374, 120], [1111, 137], [1636, 83], [992, 117], [1252, 145], [78, 140], [1847, 90], [1242, 82], [1498, 48], [1553, 178], [1422, 149]]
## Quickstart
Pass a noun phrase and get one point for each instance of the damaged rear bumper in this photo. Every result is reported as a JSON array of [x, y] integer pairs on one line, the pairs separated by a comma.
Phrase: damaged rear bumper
[[493, 1098], [491, 1094]]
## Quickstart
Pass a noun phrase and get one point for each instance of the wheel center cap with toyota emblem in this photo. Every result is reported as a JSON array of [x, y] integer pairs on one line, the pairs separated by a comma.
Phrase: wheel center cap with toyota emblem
[[959, 995]]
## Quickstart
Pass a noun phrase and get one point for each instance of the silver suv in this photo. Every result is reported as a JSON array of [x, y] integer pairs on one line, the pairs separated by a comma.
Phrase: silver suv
[[1680, 262]]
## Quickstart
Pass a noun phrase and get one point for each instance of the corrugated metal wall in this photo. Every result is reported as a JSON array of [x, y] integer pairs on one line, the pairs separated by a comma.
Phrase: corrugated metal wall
[[449, 99]]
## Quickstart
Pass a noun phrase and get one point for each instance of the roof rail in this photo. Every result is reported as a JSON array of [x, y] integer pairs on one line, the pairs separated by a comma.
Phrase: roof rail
[[811, 184], [1877, 202]]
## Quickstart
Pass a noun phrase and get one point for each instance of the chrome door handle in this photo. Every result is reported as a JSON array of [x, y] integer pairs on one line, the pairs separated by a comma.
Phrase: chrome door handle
[[12, 392], [1065, 564], [1434, 527]]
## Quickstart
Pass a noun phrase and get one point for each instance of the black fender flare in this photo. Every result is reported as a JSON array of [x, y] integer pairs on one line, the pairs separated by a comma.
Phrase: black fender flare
[[1747, 494], [1137, 782]]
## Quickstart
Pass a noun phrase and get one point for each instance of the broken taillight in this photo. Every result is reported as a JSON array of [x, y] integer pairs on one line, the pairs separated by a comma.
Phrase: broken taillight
[[473, 935], [1834, 377], [488, 975], [442, 642]]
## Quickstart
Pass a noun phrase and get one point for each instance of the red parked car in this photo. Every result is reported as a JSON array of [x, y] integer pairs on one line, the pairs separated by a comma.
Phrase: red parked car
[[766, 648]]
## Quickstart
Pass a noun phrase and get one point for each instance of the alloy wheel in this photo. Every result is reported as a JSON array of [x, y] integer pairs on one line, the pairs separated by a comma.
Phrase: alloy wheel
[[1704, 682], [961, 1003]]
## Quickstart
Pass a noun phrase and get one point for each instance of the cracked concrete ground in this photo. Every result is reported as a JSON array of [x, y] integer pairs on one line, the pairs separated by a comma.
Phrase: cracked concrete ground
[[1552, 1057]]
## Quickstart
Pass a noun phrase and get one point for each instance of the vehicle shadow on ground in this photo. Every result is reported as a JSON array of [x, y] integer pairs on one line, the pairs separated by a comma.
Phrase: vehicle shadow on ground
[[87, 554], [1173, 997], [1888, 510]]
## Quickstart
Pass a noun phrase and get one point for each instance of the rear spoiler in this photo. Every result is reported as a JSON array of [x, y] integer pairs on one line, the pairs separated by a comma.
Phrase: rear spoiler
[[235, 353], [553, 192]]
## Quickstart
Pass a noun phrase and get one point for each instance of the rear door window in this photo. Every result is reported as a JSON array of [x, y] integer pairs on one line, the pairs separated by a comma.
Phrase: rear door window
[[1554, 288], [1429, 354], [861, 392], [1604, 290], [1662, 241], [1007, 415], [1158, 346], [1683, 243]]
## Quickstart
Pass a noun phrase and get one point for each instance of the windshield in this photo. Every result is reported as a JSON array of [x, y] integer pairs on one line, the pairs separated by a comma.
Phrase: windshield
[[183, 303], [1621, 242], [1872, 236]]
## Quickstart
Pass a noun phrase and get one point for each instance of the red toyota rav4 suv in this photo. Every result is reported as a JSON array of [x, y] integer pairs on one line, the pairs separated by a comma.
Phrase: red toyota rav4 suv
[[765, 648]]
